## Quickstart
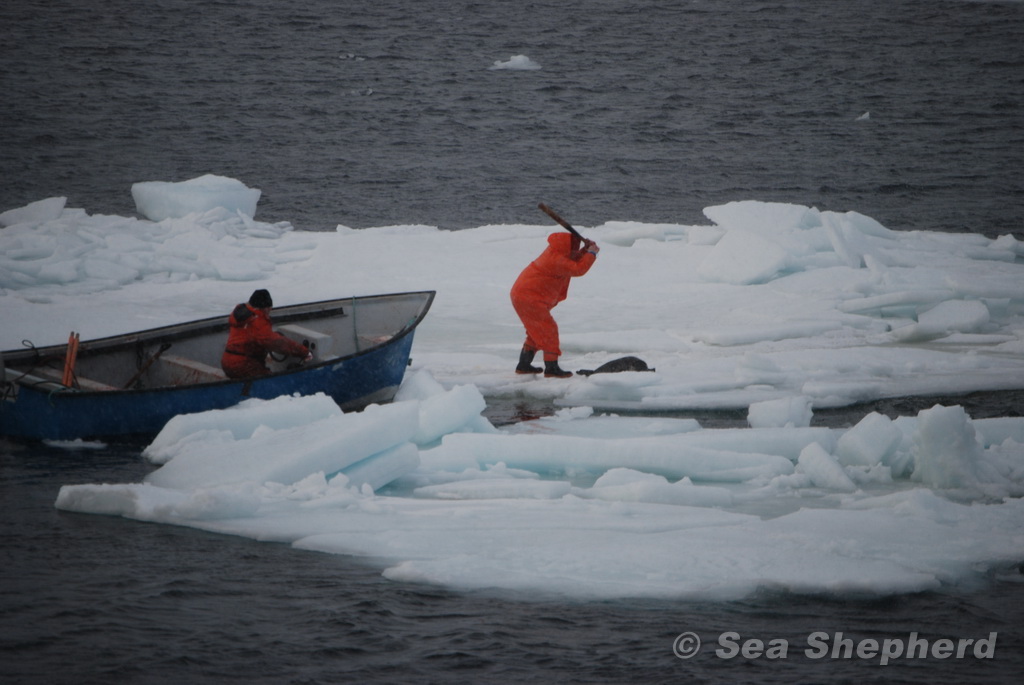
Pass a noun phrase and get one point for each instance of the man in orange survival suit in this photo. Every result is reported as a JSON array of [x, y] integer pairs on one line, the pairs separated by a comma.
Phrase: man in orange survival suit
[[541, 286], [251, 337]]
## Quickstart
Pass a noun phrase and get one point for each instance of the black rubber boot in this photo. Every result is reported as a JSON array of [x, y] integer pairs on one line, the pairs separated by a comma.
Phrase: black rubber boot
[[525, 357], [553, 370]]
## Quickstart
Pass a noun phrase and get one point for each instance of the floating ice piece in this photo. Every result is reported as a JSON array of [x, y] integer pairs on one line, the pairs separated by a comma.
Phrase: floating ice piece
[[872, 441], [34, 212], [898, 303], [379, 469], [456, 409], [742, 257], [766, 218], [516, 62], [823, 470], [577, 421], [627, 485], [781, 413], [998, 430], [951, 316], [496, 488], [670, 456], [289, 454], [704, 235], [238, 423], [159, 200], [946, 451]]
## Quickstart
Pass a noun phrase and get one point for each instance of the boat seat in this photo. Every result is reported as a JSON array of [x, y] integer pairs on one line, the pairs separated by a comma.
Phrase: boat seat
[[184, 371], [82, 383]]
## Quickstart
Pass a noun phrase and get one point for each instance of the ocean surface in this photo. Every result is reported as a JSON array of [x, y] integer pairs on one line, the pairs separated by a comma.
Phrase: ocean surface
[[387, 112], [370, 114]]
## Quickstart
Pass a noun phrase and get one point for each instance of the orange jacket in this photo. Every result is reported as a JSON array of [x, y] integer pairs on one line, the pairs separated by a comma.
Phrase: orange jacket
[[546, 279], [251, 335]]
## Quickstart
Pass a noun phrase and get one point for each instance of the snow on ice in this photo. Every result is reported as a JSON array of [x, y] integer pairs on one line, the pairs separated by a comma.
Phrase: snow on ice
[[775, 310]]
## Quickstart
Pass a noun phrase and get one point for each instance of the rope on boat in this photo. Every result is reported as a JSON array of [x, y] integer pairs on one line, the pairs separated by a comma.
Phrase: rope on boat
[[38, 361]]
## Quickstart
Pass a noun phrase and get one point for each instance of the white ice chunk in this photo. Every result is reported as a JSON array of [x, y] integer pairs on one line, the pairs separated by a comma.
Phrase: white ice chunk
[[823, 470], [998, 430], [238, 423], [872, 441], [159, 200], [666, 456], [516, 63], [946, 451], [578, 421], [951, 316], [34, 212], [742, 258], [496, 488], [457, 409], [781, 413], [443, 411], [705, 235], [627, 485], [763, 217], [378, 470], [290, 454]]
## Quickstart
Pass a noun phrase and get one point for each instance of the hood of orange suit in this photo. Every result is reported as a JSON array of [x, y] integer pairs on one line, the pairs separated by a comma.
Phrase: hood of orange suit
[[563, 242]]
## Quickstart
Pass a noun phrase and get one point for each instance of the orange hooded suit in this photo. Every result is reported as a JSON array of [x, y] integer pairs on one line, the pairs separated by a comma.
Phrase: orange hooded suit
[[545, 283], [250, 337]]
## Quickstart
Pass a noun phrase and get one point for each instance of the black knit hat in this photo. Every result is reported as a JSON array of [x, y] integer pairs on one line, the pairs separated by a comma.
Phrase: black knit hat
[[261, 299]]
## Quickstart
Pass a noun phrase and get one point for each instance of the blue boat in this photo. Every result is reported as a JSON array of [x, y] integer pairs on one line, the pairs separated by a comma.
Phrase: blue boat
[[130, 385]]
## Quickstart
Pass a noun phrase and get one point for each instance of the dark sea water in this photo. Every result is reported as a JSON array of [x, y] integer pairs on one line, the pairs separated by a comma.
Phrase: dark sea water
[[367, 114], [91, 599], [374, 113]]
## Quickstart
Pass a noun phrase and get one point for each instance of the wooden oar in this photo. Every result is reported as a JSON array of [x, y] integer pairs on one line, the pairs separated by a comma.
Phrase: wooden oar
[[70, 358], [562, 222]]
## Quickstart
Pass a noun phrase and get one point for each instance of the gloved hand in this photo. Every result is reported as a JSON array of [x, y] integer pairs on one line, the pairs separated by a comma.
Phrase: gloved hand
[[591, 247]]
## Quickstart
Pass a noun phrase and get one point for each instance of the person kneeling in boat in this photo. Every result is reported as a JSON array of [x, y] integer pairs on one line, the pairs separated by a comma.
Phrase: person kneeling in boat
[[251, 337]]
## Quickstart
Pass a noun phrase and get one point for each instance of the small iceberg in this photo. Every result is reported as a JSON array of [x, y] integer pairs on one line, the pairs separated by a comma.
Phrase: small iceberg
[[516, 62]]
